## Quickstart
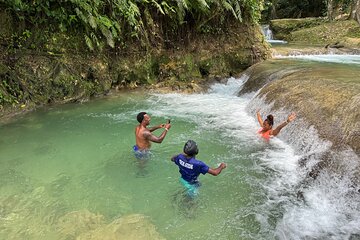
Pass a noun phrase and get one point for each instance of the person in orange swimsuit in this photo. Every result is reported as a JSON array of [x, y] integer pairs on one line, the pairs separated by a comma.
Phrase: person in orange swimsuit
[[266, 130]]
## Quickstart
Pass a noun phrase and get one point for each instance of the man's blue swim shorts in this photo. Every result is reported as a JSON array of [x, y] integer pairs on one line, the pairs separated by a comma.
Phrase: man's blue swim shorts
[[141, 154]]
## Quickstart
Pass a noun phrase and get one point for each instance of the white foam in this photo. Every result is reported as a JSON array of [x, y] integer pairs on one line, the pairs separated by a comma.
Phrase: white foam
[[330, 206], [331, 58], [330, 209]]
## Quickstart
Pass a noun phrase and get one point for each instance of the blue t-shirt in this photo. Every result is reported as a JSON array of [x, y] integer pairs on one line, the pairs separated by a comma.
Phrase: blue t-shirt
[[191, 168]]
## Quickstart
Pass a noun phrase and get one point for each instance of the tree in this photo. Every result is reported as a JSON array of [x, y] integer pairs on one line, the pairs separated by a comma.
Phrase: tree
[[330, 9], [355, 10], [293, 9], [336, 8]]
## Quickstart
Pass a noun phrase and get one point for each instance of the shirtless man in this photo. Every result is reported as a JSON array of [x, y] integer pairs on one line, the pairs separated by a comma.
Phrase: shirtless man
[[144, 135]]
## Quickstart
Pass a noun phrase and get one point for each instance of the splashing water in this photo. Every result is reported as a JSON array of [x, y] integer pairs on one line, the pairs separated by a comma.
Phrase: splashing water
[[78, 157]]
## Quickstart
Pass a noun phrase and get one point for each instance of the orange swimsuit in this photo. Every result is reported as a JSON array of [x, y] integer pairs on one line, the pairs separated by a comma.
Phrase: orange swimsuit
[[265, 135]]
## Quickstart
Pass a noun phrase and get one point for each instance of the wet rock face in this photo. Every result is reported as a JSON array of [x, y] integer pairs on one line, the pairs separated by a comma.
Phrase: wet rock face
[[325, 96]]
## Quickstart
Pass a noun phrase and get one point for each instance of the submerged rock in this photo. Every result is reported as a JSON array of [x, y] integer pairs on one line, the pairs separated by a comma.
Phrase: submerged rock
[[74, 223], [131, 227]]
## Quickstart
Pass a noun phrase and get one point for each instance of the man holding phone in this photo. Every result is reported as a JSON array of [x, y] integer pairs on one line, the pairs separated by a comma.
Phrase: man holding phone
[[144, 135]]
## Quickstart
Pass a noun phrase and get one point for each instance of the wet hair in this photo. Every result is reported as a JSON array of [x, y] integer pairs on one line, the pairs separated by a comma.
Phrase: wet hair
[[191, 148], [270, 119], [140, 117]]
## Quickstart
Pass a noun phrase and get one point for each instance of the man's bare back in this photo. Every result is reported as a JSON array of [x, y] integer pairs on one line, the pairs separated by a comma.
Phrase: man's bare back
[[141, 141]]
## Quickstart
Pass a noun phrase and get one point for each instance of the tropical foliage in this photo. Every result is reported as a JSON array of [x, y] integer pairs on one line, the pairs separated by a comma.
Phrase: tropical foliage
[[306, 8], [115, 21]]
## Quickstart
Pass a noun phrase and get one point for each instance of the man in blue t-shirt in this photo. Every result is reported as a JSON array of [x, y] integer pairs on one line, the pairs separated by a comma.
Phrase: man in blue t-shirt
[[190, 168]]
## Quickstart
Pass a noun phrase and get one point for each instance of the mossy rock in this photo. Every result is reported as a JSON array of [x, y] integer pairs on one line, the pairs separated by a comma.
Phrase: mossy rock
[[314, 92], [283, 27], [6, 26], [327, 33], [236, 61], [315, 31], [205, 66], [3, 69], [60, 42]]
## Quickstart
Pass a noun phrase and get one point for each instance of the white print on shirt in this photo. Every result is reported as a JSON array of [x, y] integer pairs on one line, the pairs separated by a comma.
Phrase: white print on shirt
[[184, 164]]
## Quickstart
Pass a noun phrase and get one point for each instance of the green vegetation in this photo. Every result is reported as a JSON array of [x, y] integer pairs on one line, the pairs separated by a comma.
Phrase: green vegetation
[[63, 51], [328, 33], [277, 9], [147, 21], [318, 31], [284, 27]]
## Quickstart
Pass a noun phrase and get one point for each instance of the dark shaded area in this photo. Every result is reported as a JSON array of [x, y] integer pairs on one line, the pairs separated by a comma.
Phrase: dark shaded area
[[293, 9]]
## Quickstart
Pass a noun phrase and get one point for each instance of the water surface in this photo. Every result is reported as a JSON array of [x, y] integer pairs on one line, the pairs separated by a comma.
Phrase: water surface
[[78, 158]]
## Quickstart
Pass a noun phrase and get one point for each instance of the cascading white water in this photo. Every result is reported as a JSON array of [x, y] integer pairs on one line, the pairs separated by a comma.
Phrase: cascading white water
[[331, 58], [298, 207], [269, 35], [267, 32]]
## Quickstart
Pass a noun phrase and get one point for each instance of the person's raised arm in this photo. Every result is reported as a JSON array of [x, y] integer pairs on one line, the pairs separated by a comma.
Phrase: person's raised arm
[[151, 137], [156, 127], [259, 118], [290, 118], [217, 171]]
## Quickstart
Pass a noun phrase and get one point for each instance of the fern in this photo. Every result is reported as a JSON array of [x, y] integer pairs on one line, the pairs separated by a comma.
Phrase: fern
[[89, 43], [203, 5], [109, 37], [95, 39], [158, 7], [167, 8], [115, 20], [92, 21], [81, 15], [103, 20], [117, 27], [238, 11]]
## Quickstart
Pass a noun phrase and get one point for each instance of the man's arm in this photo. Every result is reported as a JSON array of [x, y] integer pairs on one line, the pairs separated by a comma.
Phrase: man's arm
[[217, 171], [151, 137], [156, 127]]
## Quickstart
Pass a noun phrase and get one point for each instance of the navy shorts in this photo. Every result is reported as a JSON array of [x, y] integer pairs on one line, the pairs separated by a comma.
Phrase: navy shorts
[[141, 154]]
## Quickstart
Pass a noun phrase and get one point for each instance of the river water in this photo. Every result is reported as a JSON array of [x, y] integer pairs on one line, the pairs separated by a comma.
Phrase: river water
[[78, 158]]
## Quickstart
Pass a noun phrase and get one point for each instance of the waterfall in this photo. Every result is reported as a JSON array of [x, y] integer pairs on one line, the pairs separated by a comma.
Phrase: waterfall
[[267, 32], [269, 35], [320, 196]]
